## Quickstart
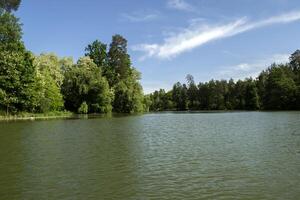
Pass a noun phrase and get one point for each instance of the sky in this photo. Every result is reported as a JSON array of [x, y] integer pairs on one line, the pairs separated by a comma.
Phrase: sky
[[168, 39]]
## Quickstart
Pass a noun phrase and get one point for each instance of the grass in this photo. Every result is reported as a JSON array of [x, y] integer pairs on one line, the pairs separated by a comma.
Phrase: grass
[[33, 116]]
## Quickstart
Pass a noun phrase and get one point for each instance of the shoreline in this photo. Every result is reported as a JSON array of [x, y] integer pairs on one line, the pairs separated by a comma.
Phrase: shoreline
[[38, 116], [70, 115], [58, 115]]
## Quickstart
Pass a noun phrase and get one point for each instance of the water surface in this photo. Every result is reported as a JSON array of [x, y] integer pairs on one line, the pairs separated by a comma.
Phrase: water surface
[[241, 155]]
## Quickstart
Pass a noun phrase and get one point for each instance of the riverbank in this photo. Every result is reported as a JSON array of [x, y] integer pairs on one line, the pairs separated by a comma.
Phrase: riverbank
[[36, 116]]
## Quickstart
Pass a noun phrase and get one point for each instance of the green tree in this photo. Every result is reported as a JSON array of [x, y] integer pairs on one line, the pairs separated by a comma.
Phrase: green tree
[[9, 5], [161, 100], [230, 95], [17, 72], [180, 96], [119, 61], [251, 95], [48, 83], [97, 52], [280, 88], [84, 83], [295, 65], [147, 103], [129, 94], [84, 108], [192, 92]]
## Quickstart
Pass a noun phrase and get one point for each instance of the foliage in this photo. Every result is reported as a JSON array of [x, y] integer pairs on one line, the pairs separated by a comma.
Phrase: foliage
[[84, 108], [48, 83], [17, 72], [119, 61], [128, 96], [84, 83], [280, 88], [122, 77], [97, 52], [277, 88], [9, 5]]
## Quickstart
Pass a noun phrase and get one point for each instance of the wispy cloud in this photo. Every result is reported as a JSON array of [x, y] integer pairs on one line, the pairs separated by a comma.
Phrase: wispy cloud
[[140, 16], [251, 69], [198, 35], [179, 5]]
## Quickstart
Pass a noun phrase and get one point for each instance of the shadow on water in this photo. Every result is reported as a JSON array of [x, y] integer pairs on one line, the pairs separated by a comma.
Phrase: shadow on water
[[67, 159]]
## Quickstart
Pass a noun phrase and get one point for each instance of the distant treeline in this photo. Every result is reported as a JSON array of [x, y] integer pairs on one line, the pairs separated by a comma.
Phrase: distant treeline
[[277, 88], [103, 80]]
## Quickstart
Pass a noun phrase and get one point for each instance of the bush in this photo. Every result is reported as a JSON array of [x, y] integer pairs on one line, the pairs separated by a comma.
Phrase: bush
[[83, 109]]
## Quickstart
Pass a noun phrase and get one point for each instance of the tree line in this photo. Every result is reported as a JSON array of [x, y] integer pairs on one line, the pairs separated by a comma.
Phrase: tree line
[[101, 81], [276, 88]]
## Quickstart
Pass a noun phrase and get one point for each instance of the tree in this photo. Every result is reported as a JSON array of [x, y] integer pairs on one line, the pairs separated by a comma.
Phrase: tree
[[118, 59], [84, 108], [230, 95], [192, 92], [295, 60], [48, 83], [84, 83], [295, 65], [17, 72], [251, 95], [129, 95], [146, 103], [180, 96], [97, 52], [280, 89], [51, 64], [66, 63], [9, 5], [161, 100]]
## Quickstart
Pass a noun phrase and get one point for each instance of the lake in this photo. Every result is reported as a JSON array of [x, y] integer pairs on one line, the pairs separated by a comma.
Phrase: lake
[[222, 155]]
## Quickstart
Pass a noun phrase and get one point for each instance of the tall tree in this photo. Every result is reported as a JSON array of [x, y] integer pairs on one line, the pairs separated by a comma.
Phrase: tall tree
[[251, 95], [129, 94], [180, 96], [192, 92], [17, 72], [280, 89], [295, 65], [295, 60], [97, 52], [118, 59], [48, 82]]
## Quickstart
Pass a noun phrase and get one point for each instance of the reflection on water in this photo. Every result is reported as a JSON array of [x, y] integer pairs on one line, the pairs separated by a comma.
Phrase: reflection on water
[[247, 155]]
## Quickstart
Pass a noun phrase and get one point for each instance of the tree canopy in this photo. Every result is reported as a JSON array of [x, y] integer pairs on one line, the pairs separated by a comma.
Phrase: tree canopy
[[277, 88]]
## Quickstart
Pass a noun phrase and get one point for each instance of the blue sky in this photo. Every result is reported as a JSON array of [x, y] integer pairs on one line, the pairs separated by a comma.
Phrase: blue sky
[[168, 39]]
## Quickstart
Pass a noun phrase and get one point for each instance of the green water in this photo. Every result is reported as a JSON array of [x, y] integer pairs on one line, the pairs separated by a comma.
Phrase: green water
[[246, 155]]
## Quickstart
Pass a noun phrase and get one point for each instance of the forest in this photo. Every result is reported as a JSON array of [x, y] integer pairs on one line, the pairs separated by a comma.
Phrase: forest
[[103, 80], [276, 88]]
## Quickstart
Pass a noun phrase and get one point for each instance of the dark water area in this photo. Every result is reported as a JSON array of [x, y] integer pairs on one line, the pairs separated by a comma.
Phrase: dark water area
[[221, 155]]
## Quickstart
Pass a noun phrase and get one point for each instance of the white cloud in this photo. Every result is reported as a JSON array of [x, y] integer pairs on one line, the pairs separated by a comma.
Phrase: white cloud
[[198, 35], [180, 5], [251, 69], [140, 16]]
